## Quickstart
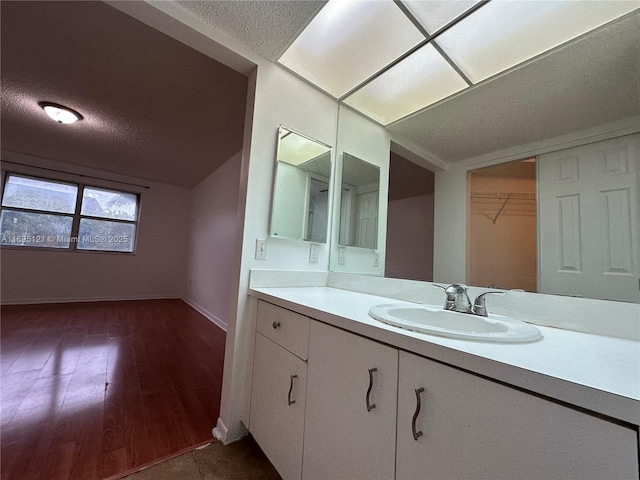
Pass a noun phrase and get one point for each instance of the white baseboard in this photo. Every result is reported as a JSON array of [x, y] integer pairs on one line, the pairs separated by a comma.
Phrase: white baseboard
[[38, 301], [221, 432], [210, 316]]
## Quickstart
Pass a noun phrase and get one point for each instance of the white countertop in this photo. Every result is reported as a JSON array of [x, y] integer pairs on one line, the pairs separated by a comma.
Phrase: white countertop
[[598, 373]]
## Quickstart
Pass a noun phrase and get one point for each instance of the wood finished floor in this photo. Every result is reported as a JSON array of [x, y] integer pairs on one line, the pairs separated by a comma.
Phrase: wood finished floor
[[92, 390]]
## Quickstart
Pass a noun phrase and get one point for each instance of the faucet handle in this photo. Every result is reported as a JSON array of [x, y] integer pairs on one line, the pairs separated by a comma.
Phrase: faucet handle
[[451, 299], [479, 306]]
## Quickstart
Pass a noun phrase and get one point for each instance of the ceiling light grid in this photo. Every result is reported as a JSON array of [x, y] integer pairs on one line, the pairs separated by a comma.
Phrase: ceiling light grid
[[391, 58]]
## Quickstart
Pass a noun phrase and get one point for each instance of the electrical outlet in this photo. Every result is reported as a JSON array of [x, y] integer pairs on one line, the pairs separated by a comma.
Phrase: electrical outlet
[[314, 253], [376, 259], [342, 255], [261, 249]]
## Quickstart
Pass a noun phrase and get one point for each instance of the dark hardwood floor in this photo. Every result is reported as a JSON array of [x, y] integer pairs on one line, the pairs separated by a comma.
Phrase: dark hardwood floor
[[94, 390]]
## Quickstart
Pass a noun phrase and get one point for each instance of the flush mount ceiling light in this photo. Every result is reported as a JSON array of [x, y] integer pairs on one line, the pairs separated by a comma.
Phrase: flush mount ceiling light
[[389, 59], [60, 113]]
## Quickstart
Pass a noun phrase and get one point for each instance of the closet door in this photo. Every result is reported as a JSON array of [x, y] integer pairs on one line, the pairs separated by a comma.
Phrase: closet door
[[588, 220]]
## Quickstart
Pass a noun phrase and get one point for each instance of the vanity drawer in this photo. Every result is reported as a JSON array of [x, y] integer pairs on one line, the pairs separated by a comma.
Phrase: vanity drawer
[[288, 329]]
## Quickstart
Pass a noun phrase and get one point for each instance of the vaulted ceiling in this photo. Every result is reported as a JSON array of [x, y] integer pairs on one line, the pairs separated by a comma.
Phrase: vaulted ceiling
[[153, 108]]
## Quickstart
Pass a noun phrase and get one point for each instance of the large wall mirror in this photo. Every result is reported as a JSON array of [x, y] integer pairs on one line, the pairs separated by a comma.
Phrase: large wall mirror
[[300, 205], [359, 200], [566, 222]]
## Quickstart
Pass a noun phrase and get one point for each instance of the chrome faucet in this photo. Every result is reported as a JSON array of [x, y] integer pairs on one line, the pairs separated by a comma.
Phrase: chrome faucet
[[458, 299], [479, 307]]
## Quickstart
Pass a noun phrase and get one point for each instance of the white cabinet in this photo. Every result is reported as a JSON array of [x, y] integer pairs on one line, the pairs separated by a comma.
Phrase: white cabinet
[[279, 384], [350, 412], [475, 428], [351, 406]]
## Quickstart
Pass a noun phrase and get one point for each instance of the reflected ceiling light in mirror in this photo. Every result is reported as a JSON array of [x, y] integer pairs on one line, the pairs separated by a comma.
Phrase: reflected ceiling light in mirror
[[295, 149], [421, 79], [348, 42], [60, 113], [435, 14], [505, 33]]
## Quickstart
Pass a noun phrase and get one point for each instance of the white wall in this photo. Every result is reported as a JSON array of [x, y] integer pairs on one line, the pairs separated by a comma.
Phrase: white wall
[[156, 270], [214, 233], [280, 99], [410, 238], [450, 221], [360, 137]]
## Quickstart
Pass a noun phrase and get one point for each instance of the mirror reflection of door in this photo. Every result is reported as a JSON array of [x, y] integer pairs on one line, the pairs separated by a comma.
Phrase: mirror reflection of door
[[409, 253], [589, 220], [359, 203], [501, 246], [317, 209]]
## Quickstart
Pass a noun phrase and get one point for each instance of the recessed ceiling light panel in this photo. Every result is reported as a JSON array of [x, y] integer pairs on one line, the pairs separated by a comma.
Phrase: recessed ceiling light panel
[[505, 33], [421, 79], [435, 14], [60, 113], [348, 42]]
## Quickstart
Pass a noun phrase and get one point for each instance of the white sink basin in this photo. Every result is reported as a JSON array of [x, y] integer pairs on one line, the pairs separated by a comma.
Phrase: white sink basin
[[437, 321]]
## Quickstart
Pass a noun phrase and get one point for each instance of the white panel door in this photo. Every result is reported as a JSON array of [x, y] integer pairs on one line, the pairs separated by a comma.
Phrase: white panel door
[[588, 220], [351, 408], [277, 406], [367, 220], [471, 428]]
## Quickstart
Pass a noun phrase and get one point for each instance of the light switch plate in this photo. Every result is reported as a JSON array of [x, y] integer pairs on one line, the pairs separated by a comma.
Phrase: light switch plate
[[314, 253], [376, 259], [261, 249]]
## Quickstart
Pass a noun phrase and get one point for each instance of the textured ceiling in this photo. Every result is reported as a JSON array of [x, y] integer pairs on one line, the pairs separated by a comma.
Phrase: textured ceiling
[[266, 26], [587, 83], [153, 107]]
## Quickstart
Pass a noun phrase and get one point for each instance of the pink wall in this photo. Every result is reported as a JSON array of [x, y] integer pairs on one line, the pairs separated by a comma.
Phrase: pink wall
[[410, 238], [214, 233], [156, 270]]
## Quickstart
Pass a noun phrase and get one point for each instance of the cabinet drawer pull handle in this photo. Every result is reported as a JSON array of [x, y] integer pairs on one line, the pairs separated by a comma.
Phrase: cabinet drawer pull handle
[[416, 435], [275, 324], [370, 406], [291, 377]]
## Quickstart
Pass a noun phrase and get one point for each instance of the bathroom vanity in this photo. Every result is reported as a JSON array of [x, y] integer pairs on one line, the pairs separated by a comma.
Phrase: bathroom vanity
[[337, 394]]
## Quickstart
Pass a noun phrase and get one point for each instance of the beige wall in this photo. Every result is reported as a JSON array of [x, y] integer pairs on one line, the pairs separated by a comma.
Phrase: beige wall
[[410, 238], [503, 252], [214, 233], [156, 270]]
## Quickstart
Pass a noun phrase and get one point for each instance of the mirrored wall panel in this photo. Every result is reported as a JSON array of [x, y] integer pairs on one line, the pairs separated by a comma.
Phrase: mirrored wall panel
[[300, 205], [359, 200]]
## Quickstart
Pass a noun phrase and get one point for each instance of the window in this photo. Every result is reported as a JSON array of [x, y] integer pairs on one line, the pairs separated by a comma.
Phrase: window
[[38, 212]]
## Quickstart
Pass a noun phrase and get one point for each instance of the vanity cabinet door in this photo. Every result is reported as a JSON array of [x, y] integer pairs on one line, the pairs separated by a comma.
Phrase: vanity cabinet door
[[349, 433], [469, 427], [277, 406]]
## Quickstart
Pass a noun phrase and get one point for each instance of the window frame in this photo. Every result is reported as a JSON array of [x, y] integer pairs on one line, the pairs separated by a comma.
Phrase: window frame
[[76, 216]]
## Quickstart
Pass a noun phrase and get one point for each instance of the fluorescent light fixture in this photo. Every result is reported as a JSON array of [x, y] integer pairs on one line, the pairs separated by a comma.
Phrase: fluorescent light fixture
[[295, 149], [421, 79], [60, 113], [435, 14], [348, 42], [505, 33]]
